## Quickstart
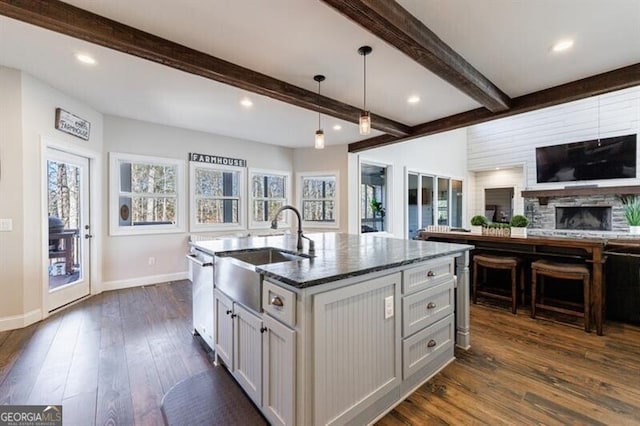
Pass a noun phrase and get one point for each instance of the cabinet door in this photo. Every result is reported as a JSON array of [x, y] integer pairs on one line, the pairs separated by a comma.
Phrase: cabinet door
[[356, 337], [278, 372], [247, 360], [224, 329]]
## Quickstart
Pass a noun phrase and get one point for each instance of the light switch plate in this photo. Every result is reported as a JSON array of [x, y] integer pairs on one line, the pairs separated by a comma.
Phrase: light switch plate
[[388, 307], [6, 225]]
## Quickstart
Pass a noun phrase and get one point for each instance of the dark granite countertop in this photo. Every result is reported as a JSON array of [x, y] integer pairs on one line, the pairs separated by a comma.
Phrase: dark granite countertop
[[337, 256]]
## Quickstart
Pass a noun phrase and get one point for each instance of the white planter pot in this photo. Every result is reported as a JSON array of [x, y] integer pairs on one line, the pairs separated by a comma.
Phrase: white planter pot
[[634, 230], [476, 229], [518, 232]]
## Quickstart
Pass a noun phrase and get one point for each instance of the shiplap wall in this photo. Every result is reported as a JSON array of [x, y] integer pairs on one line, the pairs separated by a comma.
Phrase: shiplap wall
[[504, 178], [512, 141]]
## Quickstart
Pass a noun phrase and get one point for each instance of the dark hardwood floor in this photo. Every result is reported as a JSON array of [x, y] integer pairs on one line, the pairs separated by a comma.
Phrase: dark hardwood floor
[[111, 358]]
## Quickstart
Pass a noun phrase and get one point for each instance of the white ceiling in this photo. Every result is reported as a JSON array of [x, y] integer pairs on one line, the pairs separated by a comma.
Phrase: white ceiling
[[508, 41]]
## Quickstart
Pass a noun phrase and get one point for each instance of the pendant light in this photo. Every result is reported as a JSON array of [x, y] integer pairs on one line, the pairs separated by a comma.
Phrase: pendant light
[[365, 117], [319, 133]]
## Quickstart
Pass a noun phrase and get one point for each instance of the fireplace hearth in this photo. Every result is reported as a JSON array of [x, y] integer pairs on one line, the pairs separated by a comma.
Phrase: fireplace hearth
[[588, 218]]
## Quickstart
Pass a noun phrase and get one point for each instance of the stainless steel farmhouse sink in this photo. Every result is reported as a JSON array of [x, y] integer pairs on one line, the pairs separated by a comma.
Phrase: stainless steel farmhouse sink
[[264, 256], [236, 276]]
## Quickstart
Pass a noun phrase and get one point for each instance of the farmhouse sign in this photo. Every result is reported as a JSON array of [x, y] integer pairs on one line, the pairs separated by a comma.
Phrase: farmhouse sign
[[72, 124], [214, 159]]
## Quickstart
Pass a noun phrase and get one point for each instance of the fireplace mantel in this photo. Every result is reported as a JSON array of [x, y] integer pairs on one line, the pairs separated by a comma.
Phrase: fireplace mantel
[[543, 195]]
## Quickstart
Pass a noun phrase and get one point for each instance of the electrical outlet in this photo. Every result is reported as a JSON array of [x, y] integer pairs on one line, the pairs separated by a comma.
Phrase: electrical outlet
[[6, 225], [152, 261], [388, 307]]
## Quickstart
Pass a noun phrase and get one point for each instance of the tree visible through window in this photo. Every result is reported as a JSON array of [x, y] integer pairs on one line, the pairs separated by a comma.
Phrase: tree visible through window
[[150, 193], [217, 196], [268, 193], [319, 199]]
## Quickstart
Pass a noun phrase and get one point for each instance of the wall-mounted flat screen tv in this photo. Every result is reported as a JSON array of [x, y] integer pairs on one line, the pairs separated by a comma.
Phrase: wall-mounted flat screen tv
[[609, 158]]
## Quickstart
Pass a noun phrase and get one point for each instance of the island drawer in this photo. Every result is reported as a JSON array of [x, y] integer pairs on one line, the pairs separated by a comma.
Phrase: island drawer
[[429, 273], [279, 302], [426, 345], [426, 307]]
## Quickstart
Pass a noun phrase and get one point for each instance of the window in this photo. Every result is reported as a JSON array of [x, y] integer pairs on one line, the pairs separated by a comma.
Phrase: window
[[146, 194], [216, 197], [269, 191], [318, 196]]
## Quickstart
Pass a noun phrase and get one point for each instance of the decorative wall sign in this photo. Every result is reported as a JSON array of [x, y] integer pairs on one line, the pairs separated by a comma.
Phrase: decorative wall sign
[[214, 159], [72, 124]]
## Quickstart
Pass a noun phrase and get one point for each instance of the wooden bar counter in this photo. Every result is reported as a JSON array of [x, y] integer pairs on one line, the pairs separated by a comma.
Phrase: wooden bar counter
[[588, 250]]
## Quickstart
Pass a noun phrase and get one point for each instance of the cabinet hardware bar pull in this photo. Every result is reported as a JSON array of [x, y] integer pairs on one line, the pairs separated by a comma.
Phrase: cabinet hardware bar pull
[[431, 305], [234, 315], [263, 329], [228, 311], [276, 301], [431, 343], [431, 274]]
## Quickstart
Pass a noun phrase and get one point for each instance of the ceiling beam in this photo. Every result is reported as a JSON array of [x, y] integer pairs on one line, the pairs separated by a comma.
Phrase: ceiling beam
[[395, 25], [75, 22], [599, 84]]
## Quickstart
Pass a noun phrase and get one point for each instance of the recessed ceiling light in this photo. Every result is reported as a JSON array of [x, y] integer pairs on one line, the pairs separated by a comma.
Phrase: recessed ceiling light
[[85, 59], [413, 99], [497, 168], [337, 127], [562, 45], [246, 102]]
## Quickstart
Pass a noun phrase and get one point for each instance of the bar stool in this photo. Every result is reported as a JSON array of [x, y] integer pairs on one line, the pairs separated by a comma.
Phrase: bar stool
[[546, 268], [499, 262]]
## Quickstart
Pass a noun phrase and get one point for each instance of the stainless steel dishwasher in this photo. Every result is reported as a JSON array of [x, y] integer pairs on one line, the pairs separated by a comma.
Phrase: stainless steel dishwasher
[[202, 295]]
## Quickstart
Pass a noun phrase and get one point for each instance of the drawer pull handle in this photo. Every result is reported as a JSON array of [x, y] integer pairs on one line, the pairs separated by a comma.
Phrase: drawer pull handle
[[228, 311], [263, 329], [234, 315], [431, 274], [431, 343], [431, 305], [276, 301]]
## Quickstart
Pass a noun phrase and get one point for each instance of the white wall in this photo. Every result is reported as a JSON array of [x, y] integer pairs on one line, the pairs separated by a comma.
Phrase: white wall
[[444, 154], [11, 193], [512, 141], [28, 113], [125, 260]]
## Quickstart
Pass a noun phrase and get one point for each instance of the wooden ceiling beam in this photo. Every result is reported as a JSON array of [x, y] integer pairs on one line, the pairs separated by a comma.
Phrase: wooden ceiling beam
[[75, 22], [599, 84], [392, 23]]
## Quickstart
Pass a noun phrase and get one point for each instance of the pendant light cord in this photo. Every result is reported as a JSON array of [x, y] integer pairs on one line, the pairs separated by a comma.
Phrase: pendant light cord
[[318, 105], [364, 106]]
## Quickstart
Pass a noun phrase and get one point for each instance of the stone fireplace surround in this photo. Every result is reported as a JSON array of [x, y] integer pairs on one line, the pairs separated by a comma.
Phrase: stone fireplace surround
[[541, 212]]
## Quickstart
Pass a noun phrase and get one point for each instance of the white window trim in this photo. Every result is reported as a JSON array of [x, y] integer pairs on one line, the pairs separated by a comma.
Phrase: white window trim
[[114, 195], [287, 200], [242, 199], [330, 173]]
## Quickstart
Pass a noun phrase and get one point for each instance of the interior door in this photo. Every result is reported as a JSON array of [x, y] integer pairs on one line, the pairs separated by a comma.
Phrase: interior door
[[69, 229]]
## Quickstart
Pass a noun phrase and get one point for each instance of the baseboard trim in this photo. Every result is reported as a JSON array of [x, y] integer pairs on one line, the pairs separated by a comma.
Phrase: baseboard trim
[[140, 281], [19, 321]]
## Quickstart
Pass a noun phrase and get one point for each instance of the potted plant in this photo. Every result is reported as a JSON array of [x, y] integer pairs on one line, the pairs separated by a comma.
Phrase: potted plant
[[631, 209], [519, 226], [477, 222]]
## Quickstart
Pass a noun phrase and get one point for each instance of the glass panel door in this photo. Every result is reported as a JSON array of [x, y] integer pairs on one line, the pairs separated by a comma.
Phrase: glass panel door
[[413, 215], [443, 201], [426, 201], [68, 214], [373, 197], [456, 203]]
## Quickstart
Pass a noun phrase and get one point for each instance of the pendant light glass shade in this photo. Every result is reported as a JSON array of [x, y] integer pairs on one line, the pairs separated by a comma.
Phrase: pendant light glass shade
[[365, 117], [365, 123], [319, 140]]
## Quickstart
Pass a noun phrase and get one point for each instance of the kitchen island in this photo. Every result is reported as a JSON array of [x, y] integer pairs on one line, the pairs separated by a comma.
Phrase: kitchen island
[[344, 335]]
